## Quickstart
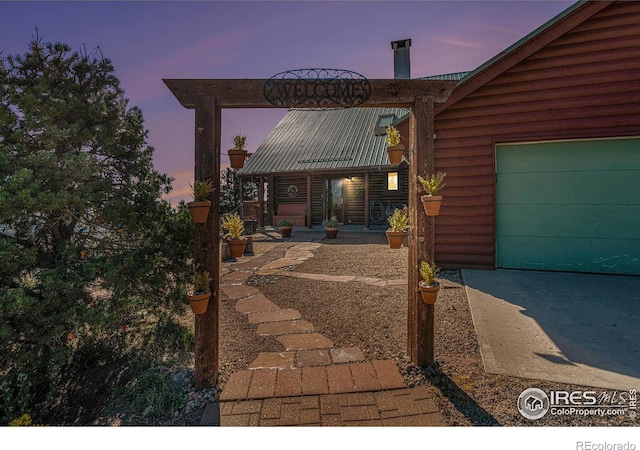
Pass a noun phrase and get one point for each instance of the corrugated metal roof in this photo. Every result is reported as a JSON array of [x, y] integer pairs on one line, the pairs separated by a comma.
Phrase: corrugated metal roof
[[456, 76], [322, 140]]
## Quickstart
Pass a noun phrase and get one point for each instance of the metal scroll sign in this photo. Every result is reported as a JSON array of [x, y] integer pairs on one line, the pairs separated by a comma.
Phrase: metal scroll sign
[[317, 89]]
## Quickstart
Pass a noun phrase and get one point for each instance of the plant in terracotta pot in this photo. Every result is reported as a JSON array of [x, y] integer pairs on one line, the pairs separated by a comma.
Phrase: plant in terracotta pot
[[428, 285], [238, 154], [331, 227], [395, 149], [285, 226], [234, 227], [201, 293], [431, 185], [199, 207], [399, 222]]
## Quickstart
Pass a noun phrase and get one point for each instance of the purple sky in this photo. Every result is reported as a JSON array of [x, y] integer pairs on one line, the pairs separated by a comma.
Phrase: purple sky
[[149, 41]]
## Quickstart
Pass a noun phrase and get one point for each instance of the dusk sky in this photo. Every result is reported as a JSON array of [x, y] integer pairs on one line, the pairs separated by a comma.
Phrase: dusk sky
[[148, 41]]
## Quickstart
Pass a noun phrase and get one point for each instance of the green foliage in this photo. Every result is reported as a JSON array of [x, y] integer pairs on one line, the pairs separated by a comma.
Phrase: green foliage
[[433, 183], [234, 226], [239, 142], [429, 272], [201, 282], [83, 225], [399, 220], [393, 136], [151, 396], [230, 190], [201, 190], [330, 223], [285, 223]]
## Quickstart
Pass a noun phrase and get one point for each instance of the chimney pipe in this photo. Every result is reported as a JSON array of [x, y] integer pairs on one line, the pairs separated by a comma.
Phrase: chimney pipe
[[401, 59]]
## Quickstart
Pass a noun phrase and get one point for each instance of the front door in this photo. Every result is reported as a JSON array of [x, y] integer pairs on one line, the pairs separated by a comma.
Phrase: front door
[[334, 199]]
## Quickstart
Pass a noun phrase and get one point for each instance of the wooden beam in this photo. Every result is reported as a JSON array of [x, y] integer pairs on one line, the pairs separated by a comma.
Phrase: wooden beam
[[420, 327], [261, 203], [367, 200], [309, 201], [247, 93], [206, 239]]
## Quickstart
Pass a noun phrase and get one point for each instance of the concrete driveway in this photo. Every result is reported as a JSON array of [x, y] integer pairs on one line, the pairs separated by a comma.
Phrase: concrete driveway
[[572, 328]]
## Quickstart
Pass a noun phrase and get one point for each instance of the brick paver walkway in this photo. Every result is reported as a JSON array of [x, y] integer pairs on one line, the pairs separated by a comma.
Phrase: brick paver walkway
[[311, 382]]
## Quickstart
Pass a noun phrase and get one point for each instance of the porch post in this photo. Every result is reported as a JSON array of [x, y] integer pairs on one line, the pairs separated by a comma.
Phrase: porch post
[[206, 238], [420, 328], [367, 200], [261, 204], [309, 201]]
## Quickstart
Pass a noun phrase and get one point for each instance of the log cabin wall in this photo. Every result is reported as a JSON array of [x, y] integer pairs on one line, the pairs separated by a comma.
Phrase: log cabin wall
[[584, 84]]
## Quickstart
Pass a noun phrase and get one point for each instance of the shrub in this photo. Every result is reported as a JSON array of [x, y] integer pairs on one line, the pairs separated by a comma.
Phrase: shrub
[[399, 220], [433, 183]]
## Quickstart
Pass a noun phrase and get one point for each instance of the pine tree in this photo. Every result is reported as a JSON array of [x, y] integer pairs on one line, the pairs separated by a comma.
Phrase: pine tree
[[90, 252]]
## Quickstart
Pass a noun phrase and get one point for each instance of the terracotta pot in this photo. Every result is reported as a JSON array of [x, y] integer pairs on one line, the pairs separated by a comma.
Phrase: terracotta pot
[[199, 211], [236, 247], [395, 154], [431, 204], [331, 233], [199, 302], [395, 238], [285, 231], [237, 158], [429, 294]]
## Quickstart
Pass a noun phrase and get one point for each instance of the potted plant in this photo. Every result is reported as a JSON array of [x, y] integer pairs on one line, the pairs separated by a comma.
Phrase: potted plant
[[199, 207], [428, 285], [330, 227], [238, 153], [395, 150], [201, 293], [284, 227], [234, 226], [432, 184], [399, 222]]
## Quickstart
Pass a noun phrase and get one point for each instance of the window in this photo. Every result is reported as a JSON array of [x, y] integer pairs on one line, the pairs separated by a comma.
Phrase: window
[[383, 122], [392, 181]]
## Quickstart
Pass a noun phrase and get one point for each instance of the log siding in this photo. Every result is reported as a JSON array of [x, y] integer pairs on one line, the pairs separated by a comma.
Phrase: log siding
[[584, 84]]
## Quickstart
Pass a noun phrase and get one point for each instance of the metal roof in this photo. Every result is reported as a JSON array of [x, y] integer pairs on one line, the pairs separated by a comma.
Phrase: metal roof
[[322, 140], [456, 76]]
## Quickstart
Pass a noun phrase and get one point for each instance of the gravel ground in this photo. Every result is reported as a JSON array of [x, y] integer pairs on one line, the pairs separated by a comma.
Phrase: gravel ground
[[375, 319]]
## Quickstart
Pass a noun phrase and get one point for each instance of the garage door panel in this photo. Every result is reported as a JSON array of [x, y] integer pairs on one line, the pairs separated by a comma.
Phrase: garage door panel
[[616, 256], [571, 206], [562, 156], [617, 221], [544, 253], [582, 188], [549, 221]]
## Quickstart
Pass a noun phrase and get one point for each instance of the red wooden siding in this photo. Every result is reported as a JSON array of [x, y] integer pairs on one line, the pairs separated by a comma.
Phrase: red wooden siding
[[584, 84]]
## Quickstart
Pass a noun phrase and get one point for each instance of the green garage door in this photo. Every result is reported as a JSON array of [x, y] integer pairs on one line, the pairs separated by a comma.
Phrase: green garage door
[[570, 205]]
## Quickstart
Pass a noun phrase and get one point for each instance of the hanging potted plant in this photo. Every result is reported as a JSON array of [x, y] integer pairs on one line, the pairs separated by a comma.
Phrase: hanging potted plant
[[428, 285], [285, 226], [201, 293], [395, 150], [331, 227], [234, 226], [432, 184], [199, 207], [238, 154], [399, 222]]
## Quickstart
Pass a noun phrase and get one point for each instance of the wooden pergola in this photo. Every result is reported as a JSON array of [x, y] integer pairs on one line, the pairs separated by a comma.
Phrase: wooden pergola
[[210, 96]]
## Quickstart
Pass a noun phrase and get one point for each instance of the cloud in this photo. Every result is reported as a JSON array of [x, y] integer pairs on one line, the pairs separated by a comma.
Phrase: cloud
[[459, 43]]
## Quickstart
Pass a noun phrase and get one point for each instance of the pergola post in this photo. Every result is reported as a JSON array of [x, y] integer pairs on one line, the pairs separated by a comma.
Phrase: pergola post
[[420, 327], [260, 203], [309, 201], [367, 200], [206, 238]]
